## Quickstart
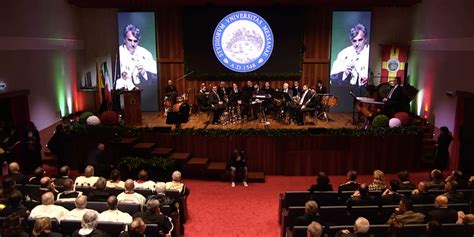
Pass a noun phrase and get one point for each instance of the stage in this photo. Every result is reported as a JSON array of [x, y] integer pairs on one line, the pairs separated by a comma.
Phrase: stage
[[201, 120]]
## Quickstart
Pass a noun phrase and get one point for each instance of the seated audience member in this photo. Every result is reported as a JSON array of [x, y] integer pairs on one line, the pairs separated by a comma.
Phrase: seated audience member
[[14, 172], [404, 213], [115, 180], [379, 182], [351, 184], [15, 205], [114, 214], [99, 194], [8, 187], [315, 229], [46, 185], [69, 194], [361, 229], [460, 178], [442, 213], [130, 196], [421, 194], [137, 229], [88, 179], [63, 175], [361, 197], [48, 209], [37, 175], [465, 218], [12, 227], [238, 164], [404, 178], [433, 229], [311, 210], [160, 195], [322, 183], [43, 228], [176, 185], [153, 215], [88, 226], [452, 194], [142, 182], [390, 196], [81, 208], [437, 181]]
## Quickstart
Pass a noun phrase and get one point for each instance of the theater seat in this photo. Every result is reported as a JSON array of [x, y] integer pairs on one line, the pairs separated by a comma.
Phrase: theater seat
[[69, 226], [111, 228]]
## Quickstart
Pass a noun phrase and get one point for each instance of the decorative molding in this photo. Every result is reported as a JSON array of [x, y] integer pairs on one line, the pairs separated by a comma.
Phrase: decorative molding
[[170, 60], [37, 43], [315, 60], [444, 44]]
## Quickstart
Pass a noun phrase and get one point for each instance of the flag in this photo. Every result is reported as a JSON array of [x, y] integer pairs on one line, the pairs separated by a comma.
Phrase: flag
[[100, 84], [394, 60], [108, 83]]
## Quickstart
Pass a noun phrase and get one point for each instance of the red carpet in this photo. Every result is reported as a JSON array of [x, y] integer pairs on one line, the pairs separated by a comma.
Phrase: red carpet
[[217, 209]]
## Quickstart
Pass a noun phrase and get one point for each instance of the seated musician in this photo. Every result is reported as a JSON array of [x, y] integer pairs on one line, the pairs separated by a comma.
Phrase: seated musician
[[258, 104], [296, 88], [394, 98], [203, 99], [223, 90], [125, 83], [217, 105], [171, 92], [268, 89], [309, 101], [247, 92], [320, 89], [234, 95]]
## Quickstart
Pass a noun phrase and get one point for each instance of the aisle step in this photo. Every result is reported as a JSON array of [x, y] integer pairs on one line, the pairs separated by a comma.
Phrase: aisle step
[[162, 151], [196, 167], [256, 177]]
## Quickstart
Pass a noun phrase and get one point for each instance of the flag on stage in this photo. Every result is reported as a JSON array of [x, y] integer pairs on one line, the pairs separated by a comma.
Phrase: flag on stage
[[394, 60], [100, 85], [108, 82]]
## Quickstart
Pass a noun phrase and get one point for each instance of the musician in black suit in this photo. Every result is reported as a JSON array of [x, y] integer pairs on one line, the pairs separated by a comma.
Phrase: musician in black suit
[[217, 105], [247, 92], [203, 99], [320, 89], [268, 89], [234, 95], [170, 88], [394, 98], [258, 104], [223, 90], [287, 90], [308, 103], [296, 88]]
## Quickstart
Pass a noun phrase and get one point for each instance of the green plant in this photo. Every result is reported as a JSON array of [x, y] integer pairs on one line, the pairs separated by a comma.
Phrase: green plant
[[132, 162], [380, 121], [84, 116], [161, 163], [157, 163]]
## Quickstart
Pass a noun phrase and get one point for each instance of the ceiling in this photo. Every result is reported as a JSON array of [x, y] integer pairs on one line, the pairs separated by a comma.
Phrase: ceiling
[[147, 4]]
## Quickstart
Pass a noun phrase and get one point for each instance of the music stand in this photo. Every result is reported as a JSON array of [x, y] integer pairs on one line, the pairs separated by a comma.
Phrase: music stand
[[354, 100]]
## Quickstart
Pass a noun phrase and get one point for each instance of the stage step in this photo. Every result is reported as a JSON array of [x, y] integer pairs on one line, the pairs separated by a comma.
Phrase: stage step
[[196, 167], [217, 166], [217, 170], [162, 151], [255, 177], [128, 141], [180, 159]]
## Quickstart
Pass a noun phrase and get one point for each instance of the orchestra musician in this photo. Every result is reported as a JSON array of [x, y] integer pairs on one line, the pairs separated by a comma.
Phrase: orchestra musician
[[320, 89], [268, 89], [394, 98], [247, 92], [222, 89], [217, 105], [203, 99], [234, 94], [259, 104], [287, 90], [296, 88], [308, 106], [170, 88]]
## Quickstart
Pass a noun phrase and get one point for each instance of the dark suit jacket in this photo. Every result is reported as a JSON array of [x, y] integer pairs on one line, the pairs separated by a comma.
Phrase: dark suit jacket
[[406, 186], [361, 201], [443, 215], [19, 178], [153, 218], [395, 99], [234, 96], [423, 198], [94, 233], [214, 99], [306, 220], [171, 89], [319, 187], [349, 186], [321, 90], [98, 196], [203, 101]]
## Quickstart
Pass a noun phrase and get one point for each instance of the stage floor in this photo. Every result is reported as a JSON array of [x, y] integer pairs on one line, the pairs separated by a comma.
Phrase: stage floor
[[200, 120]]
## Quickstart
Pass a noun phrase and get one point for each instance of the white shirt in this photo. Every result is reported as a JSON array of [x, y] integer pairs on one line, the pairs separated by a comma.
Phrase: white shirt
[[145, 185], [119, 184], [124, 84], [302, 97], [86, 181], [115, 216], [76, 213], [131, 198], [176, 186], [130, 63], [360, 61], [51, 211]]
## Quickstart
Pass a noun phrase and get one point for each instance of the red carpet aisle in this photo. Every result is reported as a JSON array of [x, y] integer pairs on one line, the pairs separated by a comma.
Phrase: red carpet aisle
[[217, 209]]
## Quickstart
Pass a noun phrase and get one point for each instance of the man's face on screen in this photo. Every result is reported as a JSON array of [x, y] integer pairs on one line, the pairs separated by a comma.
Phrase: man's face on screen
[[358, 42], [131, 42]]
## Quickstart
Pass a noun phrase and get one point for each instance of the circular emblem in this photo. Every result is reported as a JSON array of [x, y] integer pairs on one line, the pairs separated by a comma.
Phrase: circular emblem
[[243, 41], [393, 65]]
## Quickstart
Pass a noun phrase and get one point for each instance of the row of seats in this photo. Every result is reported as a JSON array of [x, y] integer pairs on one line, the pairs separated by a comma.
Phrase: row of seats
[[410, 230]]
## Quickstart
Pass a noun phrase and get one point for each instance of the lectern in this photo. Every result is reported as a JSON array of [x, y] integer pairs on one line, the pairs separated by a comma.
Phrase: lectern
[[132, 107]]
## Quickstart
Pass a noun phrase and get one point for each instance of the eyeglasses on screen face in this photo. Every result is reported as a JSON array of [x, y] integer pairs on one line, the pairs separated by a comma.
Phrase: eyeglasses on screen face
[[357, 40], [130, 40]]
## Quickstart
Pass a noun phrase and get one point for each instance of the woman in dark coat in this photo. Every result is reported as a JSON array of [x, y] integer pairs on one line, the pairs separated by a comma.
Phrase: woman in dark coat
[[442, 150]]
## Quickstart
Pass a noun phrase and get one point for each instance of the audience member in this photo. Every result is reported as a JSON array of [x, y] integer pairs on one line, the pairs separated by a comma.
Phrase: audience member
[[113, 214], [57, 146], [459, 177], [237, 164], [322, 183], [14, 172], [31, 147], [81, 208], [137, 229], [43, 228], [69, 194], [441, 159], [404, 178], [63, 175], [46, 185], [437, 181], [361, 229], [115, 180], [129, 195], [311, 210], [88, 226], [88, 179], [361, 197], [442, 213], [452, 194], [433, 229], [391, 196], [99, 194], [8, 187], [379, 181], [12, 227], [48, 209], [15, 205], [142, 182], [37, 175], [351, 184], [404, 213], [421, 194], [97, 159], [176, 184], [314, 229], [153, 215]]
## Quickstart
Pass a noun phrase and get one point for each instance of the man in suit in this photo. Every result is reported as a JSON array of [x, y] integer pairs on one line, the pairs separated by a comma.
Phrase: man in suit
[[394, 98], [203, 99], [14, 172], [351, 184], [320, 89], [223, 90], [442, 213], [361, 229], [308, 103], [217, 105], [361, 197], [152, 215], [421, 194], [404, 213], [234, 94]]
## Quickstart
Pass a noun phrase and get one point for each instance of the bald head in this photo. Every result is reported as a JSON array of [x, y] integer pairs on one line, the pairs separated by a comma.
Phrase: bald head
[[176, 176], [89, 171], [315, 229], [129, 185], [13, 168], [81, 202], [47, 198], [112, 202], [138, 226], [45, 182], [441, 201], [361, 225]]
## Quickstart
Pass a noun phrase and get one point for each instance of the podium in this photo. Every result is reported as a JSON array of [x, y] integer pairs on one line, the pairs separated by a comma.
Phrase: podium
[[132, 107]]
